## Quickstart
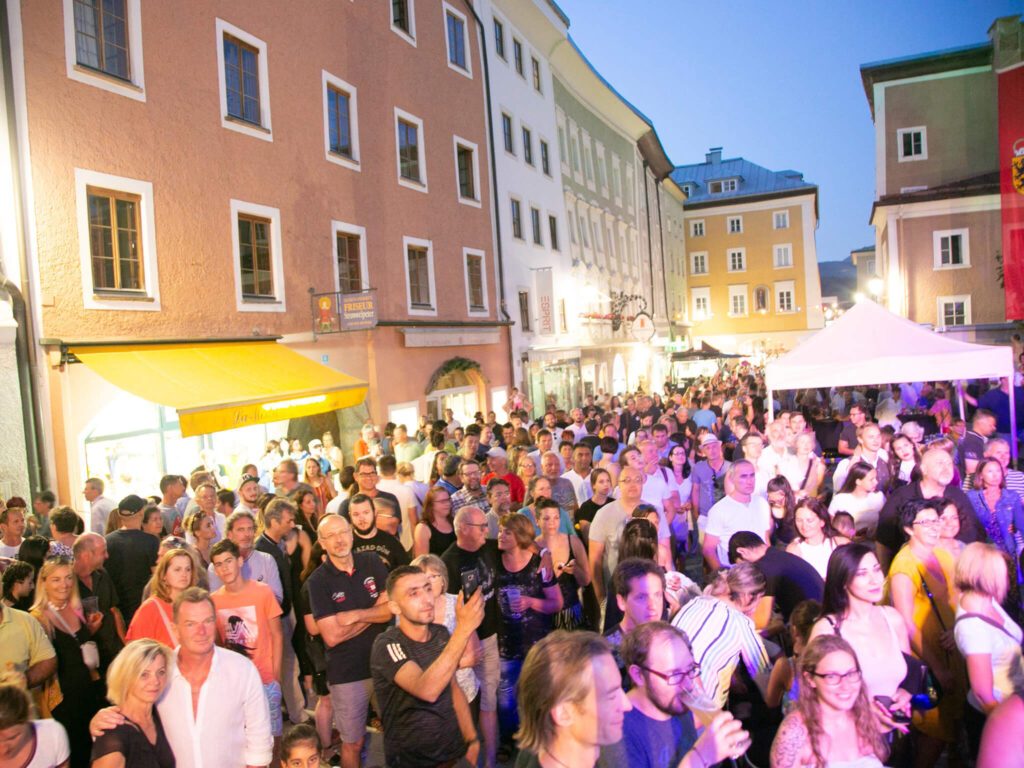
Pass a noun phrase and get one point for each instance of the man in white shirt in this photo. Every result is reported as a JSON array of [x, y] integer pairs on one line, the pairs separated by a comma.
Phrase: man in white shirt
[[214, 711], [658, 487], [579, 475], [776, 459], [869, 450], [739, 510], [577, 429], [256, 565], [12, 529], [248, 495], [100, 506], [387, 467], [545, 444]]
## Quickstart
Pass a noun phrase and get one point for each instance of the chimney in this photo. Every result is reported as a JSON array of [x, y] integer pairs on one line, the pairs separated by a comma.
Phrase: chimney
[[713, 156]]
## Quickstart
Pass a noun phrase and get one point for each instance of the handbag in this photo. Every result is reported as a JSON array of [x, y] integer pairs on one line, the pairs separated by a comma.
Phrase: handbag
[[924, 689]]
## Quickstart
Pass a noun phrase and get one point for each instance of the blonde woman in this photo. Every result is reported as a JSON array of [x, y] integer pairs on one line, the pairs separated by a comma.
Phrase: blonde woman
[[59, 609], [201, 533], [135, 682], [175, 572]]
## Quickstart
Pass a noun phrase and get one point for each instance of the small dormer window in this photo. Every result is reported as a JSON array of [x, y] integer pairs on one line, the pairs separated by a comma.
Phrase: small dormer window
[[724, 185]]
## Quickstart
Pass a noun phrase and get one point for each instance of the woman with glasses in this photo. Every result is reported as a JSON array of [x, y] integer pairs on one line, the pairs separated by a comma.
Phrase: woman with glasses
[[435, 532], [922, 590], [816, 538], [175, 572], [833, 723], [74, 699]]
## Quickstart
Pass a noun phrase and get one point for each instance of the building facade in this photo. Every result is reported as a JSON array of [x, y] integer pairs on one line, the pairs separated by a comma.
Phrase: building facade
[[753, 283], [937, 217], [215, 174]]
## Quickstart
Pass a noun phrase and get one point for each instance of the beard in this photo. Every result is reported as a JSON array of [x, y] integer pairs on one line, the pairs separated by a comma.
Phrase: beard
[[365, 532]]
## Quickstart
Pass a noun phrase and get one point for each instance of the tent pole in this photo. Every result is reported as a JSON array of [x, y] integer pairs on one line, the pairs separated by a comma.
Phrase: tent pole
[[771, 405], [960, 400], [1013, 421]]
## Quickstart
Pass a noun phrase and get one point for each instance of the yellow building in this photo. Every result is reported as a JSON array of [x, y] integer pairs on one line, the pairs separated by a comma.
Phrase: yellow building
[[752, 265]]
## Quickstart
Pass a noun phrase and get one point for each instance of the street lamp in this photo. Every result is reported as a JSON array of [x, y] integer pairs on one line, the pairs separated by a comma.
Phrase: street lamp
[[875, 286]]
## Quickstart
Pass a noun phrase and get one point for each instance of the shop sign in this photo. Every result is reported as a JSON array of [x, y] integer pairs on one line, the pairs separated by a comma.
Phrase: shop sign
[[338, 312], [642, 327], [545, 302]]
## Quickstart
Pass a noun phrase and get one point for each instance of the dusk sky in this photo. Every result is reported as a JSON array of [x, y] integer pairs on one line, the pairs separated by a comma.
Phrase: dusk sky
[[775, 82]]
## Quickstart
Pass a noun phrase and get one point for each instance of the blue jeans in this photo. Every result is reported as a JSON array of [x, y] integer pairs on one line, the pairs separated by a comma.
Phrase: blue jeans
[[508, 714]]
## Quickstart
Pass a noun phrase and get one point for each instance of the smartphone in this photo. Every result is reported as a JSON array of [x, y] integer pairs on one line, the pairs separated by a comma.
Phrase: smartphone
[[470, 583]]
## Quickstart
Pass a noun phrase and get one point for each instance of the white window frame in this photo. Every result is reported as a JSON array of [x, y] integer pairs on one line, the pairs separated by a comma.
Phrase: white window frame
[[737, 291], [694, 223], [135, 87], [965, 248], [779, 249], [940, 315], [728, 259], [276, 257], [327, 79], [775, 219], [901, 132], [421, 185], [695, 295], [467, 252], [149, 299], [785, 286], [703, 255], [417, 242], [458, 141], [728, 225], [468, 71], [410, 36], [264, 130], [724, 186], [344, 228]]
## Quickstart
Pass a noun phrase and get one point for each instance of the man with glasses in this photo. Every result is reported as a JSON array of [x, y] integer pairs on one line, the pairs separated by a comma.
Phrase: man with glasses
[[471, 493], [659, 731], [366, 478]]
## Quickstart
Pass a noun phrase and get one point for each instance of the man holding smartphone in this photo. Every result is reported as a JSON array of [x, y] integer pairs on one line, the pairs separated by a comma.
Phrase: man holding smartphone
[[472, 562]]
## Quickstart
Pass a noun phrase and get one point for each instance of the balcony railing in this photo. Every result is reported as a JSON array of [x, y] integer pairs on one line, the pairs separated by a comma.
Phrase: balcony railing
[[337, 312]]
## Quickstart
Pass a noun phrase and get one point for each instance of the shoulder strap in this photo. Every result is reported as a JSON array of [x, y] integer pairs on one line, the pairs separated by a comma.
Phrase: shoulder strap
[[167, 624], [987, 620], [834, 624]]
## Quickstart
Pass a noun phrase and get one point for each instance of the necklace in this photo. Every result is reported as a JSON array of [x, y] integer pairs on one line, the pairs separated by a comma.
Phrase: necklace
[[552, 756], [55, 607]]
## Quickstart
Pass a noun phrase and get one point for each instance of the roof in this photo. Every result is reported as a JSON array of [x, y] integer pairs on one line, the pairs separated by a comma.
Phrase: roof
[[558, 12], [947, 60], [871, 345], [983, 184], [865, 249], [752, 178]]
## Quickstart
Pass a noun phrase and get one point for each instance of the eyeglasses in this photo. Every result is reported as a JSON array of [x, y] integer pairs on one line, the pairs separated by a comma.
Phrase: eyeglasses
[[482, 526], [675, 678], [366, 474], [927, 523], [835, 679]]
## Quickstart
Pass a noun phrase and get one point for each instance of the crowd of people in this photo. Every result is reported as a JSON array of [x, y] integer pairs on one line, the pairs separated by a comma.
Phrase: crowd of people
[[654, 580]]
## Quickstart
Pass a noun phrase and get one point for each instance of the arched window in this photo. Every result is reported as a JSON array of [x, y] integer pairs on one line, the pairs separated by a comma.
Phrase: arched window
[[761, 299]]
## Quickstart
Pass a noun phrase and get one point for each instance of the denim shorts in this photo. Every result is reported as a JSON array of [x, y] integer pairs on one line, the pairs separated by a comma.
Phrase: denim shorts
[[273, 693]]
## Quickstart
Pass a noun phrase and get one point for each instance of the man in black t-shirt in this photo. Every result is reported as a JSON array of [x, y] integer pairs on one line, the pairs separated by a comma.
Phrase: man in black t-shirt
[[790, 579], [90, 552], [369, 538], [473, 552], [414, 667], [349, 605], [132, 555], [848, 435]]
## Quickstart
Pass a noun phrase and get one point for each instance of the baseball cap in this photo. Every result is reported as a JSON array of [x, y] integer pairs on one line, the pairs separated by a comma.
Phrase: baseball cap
[[315, 444], [248, 479], [130, 505], [497, 452], [708, 440]]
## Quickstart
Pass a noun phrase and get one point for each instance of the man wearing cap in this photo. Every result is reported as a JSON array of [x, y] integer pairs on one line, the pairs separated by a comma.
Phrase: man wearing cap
[[497, 466], [316, 451], [248, 494], [708, 478], [132, 554]]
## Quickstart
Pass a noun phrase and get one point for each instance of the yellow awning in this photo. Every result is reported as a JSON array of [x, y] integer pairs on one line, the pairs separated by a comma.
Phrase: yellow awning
[[223, 385]]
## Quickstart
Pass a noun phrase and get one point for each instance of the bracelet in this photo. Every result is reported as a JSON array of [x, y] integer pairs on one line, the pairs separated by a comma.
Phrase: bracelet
[[471, 742]]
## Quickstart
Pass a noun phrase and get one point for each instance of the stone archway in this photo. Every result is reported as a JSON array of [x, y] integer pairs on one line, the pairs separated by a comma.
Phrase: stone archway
[[459, 384]]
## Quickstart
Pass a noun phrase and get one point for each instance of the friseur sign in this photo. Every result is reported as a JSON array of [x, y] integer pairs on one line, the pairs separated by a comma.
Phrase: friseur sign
[[339, 312]]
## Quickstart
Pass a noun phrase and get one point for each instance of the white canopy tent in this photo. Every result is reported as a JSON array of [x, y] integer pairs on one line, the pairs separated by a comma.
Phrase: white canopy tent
[[871, 345]]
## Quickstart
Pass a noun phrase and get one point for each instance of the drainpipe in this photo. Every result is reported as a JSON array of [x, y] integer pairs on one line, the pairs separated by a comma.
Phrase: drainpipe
[[494, 188], [661, 242], [24, 348], [650, 247]]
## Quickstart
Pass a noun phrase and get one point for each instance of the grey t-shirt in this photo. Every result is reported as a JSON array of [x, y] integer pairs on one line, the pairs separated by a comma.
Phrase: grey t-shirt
[[653, 743], [711, 482]]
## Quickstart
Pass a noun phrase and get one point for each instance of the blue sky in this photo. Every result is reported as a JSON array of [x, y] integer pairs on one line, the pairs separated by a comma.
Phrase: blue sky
[[775, 82]]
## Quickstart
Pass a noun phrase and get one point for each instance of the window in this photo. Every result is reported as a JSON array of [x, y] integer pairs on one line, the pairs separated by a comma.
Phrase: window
[[350, 270], [737, 259], [584, 231], [528, 146], [784, 292], [869, 266], [954, 310], [538, 236], [553, 232], [114, 241], [350, 257], [517, 55], [341, 124], [403, 20], [912, 144], [782, 255], [467, 171], [598, 245], [117, 242], [517, 220], [737, 301], [536, 74], [725, 185], [561, 144], [506, 130], [412, 166], [499, 39], [574, 149], [419, 275], [103, 45], [699, 263], [701, 303], [524, 310], [572, 226], [588, 163], [780, 220], [256, 242], [734, 225], [244, 83], [761, 299], [455, 36], [616, 179], [545, 158], [951, 249], [476, 281], [602, 174], [697, 228]]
